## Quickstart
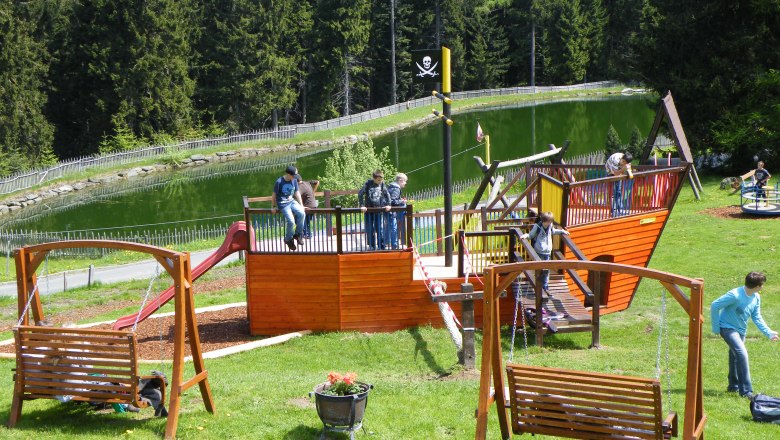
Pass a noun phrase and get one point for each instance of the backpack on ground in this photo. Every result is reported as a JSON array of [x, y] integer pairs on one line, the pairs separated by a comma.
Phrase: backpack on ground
[[765, 408]]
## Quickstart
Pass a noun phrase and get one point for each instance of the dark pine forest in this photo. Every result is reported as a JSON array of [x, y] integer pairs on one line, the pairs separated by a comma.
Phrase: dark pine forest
[[85, 76]]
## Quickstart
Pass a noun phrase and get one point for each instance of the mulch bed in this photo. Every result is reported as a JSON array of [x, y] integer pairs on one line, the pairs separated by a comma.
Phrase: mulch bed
[[218, 329], [735, 212]]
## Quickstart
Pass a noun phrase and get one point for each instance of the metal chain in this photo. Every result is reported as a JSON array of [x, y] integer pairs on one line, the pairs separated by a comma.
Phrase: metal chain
[[514, 326], [37, 283], [146, 297], [663, 338]]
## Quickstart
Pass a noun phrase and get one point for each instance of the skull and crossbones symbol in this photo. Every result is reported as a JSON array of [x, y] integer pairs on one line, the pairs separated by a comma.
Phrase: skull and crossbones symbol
[[427, 69]]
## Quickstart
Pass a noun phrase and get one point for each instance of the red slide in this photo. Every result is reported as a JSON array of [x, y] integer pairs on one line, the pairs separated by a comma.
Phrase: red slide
[[236, 240]]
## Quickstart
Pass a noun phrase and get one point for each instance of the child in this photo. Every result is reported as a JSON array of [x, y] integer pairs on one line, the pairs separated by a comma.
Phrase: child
[[396, 218], [762, 176], [729, 315], [543, 245]]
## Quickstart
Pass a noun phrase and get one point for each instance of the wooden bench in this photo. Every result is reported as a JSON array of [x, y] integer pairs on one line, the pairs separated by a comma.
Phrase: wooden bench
[[85, 365], [583, 405]]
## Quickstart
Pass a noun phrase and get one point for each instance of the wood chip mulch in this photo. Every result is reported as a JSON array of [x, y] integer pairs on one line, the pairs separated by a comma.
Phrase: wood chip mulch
[[735, 212], [218, 329]]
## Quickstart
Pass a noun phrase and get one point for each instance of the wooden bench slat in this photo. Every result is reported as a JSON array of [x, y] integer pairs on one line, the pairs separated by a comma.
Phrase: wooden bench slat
[[584, 405], [34, 329], [117, 363], [85, 364], [580, 434], [61, 377], [71, 348], [52, 392], [96, 339], [581, 407], [594, 398]]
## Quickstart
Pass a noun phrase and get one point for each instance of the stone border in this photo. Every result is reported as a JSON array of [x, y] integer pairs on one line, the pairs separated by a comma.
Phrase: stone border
[[222, 352]]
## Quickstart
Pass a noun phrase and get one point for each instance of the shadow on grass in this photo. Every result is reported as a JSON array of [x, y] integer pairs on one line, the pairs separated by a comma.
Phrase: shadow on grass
[[302, 432], [552, 341], [82, 418], [421, 347]]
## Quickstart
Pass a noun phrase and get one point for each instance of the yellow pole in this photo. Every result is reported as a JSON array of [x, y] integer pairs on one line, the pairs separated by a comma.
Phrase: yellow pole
[[487, 161], [487, 149], [445, 70]]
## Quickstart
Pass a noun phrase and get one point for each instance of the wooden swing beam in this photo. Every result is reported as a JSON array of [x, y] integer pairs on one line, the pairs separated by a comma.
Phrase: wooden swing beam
[[178, 266], [498, 278]]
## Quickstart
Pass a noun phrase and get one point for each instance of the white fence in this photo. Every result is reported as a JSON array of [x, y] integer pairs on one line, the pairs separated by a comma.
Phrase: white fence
[[28, 179]]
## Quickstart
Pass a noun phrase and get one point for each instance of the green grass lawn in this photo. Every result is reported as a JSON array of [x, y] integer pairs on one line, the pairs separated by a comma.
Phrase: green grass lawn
[[420, 391]]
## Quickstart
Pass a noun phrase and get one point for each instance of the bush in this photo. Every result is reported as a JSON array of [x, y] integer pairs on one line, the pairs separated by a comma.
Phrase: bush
[[349, 167]]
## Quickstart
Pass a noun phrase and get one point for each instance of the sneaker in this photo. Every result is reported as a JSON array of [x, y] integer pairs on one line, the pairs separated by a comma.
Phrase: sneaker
[[748, 396], [132, 408], [299, 239], [291, 244], [732, 390]]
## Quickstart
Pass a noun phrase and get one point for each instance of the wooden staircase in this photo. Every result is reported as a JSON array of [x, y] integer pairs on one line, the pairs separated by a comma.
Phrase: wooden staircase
[[574, 316]]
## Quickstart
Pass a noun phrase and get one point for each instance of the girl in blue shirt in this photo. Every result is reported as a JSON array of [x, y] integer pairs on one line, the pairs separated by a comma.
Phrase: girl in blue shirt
[[729, 315]]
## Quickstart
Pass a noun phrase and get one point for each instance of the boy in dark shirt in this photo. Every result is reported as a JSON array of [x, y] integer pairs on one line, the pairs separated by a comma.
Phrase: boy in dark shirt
[[762, 176], [374, 194]]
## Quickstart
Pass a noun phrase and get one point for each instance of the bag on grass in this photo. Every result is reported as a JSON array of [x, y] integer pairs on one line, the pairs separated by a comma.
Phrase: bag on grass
[[765, 408]]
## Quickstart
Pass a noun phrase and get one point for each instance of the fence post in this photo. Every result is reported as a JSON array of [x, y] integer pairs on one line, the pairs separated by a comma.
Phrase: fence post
[[64, 280], [439, 244], [328, 219], [339, 249], [90, 275]]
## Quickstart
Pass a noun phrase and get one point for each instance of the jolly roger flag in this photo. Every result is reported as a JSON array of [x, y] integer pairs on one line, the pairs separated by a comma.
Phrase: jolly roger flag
[[426, 66]]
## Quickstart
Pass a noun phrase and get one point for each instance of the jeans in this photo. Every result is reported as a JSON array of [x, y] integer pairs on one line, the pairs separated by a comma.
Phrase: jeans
[[739, 368], [293, 216], [391, 230], [307, 225], [544, 276], [374, 234], [617, 199]]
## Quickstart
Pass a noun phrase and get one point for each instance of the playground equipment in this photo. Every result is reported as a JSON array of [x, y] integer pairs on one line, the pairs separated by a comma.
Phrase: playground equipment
[[584, 405], [99, 365], [236, 240]]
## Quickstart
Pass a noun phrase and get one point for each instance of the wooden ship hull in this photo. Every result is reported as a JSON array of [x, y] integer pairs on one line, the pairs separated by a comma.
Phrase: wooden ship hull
[[336, 283]]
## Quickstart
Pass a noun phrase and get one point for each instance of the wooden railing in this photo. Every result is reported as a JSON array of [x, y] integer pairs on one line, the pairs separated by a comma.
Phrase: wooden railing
[[588, 198]]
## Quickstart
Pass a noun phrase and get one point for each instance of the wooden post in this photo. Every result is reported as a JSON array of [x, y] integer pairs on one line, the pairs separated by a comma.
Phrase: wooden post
[[339, 245], [439, 244], [595, 334], [90, 275], [468, 356]]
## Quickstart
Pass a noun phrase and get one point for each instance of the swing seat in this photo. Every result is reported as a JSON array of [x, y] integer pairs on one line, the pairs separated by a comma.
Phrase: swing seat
[[83, 365], [583, 405]]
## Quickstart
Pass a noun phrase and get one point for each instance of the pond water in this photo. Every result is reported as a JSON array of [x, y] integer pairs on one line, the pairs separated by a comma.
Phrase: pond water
[[213, 195]]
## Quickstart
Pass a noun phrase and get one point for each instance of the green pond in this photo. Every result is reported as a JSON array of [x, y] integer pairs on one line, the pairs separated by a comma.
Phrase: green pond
[[213, 194]]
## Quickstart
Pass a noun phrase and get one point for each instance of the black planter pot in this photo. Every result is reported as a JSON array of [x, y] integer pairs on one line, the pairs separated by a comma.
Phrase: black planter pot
[[341, 413]]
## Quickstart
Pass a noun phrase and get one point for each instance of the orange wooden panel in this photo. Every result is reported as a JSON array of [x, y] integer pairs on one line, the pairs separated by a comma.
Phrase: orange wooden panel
[[629, 240]]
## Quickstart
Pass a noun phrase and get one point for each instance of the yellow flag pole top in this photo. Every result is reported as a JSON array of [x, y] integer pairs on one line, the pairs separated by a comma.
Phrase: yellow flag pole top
[[445, 70]]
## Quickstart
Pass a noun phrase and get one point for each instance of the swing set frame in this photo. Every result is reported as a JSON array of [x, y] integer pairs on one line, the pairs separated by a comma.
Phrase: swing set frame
[[86, 352], [498, 278]]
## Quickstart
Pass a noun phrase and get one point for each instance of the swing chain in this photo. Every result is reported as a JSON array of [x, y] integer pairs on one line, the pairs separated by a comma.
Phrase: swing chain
[[37, 283], [517, 291], [146, 297], [663, 338]]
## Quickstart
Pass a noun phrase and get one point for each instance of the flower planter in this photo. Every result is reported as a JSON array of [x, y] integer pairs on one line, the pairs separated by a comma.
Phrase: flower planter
[[341, 413]]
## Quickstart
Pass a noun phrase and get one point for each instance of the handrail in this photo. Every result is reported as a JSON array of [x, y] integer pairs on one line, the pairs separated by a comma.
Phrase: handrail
[[581, 284], [519, 198]]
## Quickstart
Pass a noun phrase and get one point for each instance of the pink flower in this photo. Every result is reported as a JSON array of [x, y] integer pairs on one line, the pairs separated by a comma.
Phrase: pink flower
[[334, 377]]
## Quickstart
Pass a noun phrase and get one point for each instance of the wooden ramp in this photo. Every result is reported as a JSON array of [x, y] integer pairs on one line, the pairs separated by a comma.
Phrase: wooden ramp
[[568, 312]]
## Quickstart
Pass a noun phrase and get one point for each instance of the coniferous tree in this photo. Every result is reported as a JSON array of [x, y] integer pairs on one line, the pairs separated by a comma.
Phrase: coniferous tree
[[337, 77], [564, 41], [25, 134]]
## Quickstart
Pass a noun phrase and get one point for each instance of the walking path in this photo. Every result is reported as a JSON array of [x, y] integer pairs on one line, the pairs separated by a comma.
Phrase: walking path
[[108, 274]]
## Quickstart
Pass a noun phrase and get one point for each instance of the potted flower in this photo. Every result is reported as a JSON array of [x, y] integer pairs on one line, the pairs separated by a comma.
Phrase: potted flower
[[341, 401]]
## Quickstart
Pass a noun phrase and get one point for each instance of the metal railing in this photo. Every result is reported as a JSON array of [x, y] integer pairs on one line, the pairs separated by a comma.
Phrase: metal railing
[[27, 179]]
